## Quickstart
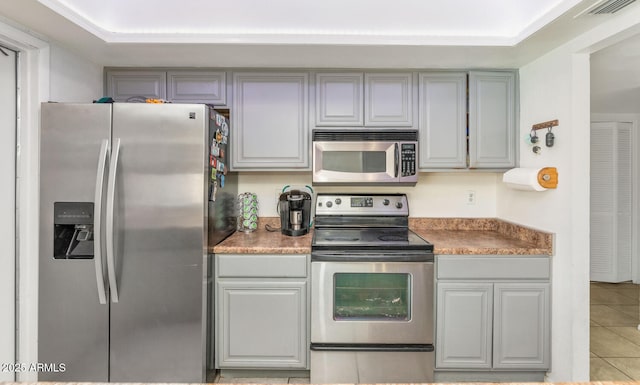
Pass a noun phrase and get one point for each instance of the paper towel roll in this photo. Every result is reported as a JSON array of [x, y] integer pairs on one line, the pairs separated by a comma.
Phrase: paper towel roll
[[528, 179]]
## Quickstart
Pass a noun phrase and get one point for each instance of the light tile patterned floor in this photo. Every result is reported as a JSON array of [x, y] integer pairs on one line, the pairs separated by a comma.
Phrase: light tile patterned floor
[[263, 380], [615, 338]]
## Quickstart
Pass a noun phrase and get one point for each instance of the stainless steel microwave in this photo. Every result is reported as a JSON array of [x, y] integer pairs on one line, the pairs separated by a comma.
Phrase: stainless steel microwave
[[365, 157]]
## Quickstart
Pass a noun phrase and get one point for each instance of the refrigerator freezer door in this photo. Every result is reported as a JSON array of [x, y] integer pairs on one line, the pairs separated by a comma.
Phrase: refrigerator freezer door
[[158, 325], [72, 324]]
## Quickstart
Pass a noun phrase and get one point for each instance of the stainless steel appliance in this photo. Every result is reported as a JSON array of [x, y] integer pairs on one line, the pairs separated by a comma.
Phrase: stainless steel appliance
[[124, 223], [365, 157], [372, 312], [294, 207]]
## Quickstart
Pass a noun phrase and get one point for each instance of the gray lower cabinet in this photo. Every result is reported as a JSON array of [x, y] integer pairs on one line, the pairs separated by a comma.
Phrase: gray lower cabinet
[[261, 319], [493, 315], [521, 325], [270, 121], [464, 325]]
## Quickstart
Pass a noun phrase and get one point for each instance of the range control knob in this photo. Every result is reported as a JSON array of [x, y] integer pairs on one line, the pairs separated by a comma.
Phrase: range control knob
[[329, 204], [398, 205], [385, 202], [338, 201]]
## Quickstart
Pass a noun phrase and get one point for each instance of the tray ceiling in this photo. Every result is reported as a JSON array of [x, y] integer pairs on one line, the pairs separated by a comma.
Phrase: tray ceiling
[[403, 22]]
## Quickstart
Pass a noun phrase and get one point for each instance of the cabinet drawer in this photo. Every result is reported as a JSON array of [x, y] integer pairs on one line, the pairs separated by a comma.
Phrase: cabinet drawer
[[261, 265], [488, 267]]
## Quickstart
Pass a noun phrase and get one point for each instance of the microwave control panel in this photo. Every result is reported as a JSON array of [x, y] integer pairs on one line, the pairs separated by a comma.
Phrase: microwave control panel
[[408, 159]]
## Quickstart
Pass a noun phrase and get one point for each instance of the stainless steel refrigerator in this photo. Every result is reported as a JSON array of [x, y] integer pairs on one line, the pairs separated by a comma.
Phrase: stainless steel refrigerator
[[127, 206]]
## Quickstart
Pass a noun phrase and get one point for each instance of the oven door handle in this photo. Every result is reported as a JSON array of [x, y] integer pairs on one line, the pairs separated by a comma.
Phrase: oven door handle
[[405, 256], [372, 347]]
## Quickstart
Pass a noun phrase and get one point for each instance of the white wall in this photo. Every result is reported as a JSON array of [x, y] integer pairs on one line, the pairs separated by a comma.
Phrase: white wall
[[563, 211], [557, 86], [46, 72], [73, 78], [435, 194], [8, 90]]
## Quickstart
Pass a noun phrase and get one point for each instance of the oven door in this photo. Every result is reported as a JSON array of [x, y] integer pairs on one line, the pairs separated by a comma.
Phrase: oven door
[[355, 162], [372, 302]]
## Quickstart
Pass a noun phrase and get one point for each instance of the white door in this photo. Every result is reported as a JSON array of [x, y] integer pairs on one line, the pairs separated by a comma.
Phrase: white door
[[7, 208], [611, 201]]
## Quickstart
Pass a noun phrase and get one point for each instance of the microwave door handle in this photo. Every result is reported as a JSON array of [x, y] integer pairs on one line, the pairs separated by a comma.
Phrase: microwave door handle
[[397, 160]]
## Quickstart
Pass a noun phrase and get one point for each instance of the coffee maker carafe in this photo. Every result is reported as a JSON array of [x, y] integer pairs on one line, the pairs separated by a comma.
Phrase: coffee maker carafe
[[294, 207]]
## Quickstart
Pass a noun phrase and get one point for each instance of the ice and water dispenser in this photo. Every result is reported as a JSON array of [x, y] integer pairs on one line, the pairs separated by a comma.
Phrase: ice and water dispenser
[[73, 230]]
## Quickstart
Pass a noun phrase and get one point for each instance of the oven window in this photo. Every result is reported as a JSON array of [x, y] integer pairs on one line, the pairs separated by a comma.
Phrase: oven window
[[354, 161], [372, 296]]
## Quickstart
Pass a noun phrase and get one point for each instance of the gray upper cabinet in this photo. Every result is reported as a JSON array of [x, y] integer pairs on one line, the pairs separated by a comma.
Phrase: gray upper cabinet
[[197, 87], [270, 121], [442, 120], [388, 99], [177, 86], [492, 130], [123, 85], [371, 99], [339, 99]]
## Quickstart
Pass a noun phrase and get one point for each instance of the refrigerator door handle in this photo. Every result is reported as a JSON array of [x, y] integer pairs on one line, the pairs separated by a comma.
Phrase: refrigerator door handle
[[97, 220], [111, 195]]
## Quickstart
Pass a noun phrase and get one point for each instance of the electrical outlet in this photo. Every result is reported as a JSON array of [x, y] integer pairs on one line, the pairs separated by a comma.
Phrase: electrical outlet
[[471, 197]]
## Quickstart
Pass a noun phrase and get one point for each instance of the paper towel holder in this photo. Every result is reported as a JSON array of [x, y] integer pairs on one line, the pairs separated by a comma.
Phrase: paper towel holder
[[548, 177], [531, 179]]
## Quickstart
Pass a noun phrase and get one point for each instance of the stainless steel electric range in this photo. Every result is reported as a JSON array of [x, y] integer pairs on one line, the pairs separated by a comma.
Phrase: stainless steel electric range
[[372, 311]]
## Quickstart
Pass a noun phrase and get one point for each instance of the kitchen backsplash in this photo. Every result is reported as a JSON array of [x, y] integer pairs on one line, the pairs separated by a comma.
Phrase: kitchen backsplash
[[435, 194]]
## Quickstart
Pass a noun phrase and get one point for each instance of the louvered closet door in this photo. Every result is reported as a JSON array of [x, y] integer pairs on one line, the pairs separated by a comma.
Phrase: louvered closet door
[[611, 201]]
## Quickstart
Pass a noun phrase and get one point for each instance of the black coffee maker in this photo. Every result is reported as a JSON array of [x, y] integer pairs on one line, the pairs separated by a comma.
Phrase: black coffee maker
[[294, 207]]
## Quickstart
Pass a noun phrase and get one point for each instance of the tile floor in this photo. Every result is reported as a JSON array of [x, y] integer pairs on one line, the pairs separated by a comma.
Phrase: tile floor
[[615, 338], [261, 380]]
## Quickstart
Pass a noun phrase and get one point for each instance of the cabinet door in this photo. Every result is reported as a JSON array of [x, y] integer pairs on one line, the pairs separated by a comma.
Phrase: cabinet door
[[197, 87], [261, 324], [388, 99], [442, 112], [492, 128], [270, 121], [339, 99], [122, 85], [463, 325], [521, 326]]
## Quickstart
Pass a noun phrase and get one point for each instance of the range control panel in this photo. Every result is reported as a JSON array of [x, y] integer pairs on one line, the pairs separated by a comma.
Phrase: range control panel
[[350, 204]]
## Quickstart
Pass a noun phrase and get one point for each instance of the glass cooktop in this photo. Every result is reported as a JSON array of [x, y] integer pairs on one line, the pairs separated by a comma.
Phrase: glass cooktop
[[368, 238]]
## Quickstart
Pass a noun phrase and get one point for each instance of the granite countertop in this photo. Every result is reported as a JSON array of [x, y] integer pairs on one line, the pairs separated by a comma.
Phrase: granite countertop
[[482, 236], [262, 241], [448, 235]]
